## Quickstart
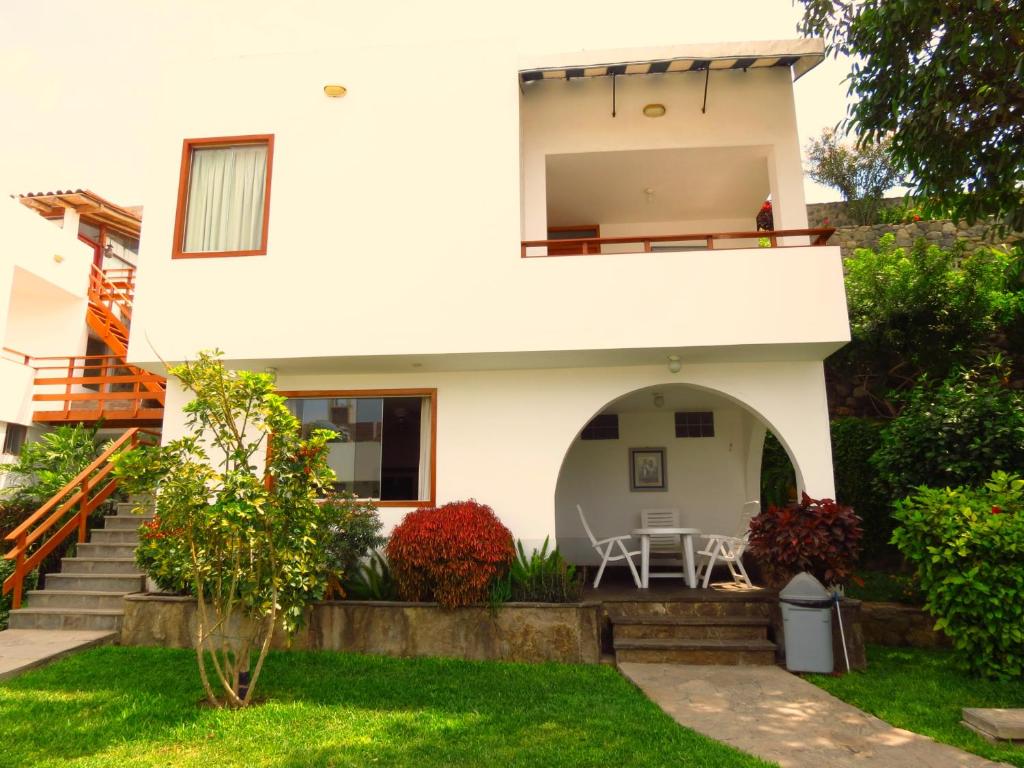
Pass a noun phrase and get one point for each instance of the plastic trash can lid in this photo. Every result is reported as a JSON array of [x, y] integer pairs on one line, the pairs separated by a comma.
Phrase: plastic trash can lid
[[804, 587]]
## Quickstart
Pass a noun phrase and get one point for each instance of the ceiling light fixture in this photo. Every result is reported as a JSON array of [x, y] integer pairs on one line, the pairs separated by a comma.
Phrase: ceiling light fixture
[[335, 91], [654, 110]]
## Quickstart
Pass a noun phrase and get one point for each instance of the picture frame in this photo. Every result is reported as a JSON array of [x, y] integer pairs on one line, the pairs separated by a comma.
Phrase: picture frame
[[647, 469]]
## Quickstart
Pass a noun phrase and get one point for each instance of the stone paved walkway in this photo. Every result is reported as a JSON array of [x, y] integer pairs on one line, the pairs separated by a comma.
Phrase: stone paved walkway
[[22, 649], [775, 715]]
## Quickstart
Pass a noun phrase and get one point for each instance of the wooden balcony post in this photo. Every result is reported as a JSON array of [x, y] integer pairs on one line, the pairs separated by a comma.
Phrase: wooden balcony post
[[83, 512]]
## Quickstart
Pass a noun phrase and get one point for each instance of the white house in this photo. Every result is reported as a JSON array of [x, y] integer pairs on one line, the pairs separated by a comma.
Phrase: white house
[[365, 222]]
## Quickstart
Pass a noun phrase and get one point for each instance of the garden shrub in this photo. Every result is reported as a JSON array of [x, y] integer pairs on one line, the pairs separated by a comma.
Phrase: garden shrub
[[923, 309], [370, 580], [162, 555], [354, 532], [46, 465], [854, 442], [967, 545], [543, 577], [778, 480], [955, 432], [450, 554], [817, 536]]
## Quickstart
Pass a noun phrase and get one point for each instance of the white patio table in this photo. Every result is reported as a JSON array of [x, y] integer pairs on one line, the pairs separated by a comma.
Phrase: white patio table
[[686, 534]]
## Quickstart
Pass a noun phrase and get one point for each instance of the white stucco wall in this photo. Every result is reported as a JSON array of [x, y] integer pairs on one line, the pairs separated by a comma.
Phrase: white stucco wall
[[502, 436], [395, 215]]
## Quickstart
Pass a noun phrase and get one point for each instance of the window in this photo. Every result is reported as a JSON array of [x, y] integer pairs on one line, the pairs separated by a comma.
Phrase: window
[[603, 427], [384, 441], [223, 197], [14, 438], [695, 424]]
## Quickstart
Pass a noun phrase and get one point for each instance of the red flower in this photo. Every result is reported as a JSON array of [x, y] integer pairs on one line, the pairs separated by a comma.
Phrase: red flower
[[996, 511], [916, 217]]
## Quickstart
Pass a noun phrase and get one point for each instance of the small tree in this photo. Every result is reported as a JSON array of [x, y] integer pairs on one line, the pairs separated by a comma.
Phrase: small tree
[[250, 541], [863, 173]]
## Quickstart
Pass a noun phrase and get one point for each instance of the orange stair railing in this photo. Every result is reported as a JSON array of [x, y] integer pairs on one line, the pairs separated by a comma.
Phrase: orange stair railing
[[68, 511]]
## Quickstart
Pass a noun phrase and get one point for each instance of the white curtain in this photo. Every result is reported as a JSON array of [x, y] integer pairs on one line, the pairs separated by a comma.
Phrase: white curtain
[[425, 432], [226, 193]]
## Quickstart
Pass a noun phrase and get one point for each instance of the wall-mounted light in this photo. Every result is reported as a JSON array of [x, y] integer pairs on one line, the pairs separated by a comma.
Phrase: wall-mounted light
[[659, 399], [58, 258], [654, 110], [335, 91], [674, 363]]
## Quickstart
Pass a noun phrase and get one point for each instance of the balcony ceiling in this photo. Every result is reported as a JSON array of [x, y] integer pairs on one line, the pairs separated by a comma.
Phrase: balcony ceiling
[[685, 185]]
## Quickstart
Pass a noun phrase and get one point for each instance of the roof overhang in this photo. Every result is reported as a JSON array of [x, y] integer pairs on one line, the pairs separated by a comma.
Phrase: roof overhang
[[88, 204], [800, 56]]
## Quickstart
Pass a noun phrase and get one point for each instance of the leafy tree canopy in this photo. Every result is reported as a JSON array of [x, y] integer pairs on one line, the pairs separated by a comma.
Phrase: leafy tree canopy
[[862, 174], [945, 80]]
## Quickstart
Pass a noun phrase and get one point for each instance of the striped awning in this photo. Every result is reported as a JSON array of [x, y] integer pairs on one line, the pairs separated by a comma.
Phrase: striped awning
[[799, 56]]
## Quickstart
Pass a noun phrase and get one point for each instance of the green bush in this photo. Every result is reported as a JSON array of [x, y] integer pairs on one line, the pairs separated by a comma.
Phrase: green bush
[[46, 465], [951, 433], [778, 480], [923, 309], [854, 441], [967, 545], [354, 532], [370, 580]]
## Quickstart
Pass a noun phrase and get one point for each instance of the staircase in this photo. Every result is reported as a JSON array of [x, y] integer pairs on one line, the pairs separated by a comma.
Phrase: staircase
[[87, 592], [101, 388], [706, 629]]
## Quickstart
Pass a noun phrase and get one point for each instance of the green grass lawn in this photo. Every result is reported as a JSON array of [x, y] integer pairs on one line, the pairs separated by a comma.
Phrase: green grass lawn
[[922, 691], [137, 707]]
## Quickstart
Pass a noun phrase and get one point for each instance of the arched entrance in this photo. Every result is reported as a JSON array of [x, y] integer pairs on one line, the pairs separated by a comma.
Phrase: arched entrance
[[702, 457]]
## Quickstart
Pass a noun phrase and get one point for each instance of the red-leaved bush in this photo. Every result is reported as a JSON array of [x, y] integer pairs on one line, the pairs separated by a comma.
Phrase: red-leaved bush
[[449, 554], [818, 536]]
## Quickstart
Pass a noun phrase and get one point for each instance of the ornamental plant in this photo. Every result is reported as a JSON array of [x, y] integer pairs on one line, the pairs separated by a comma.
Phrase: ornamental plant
[[543, 576], [354, 533], [247, 540], [967, 545], [817, 536], [449, 554]]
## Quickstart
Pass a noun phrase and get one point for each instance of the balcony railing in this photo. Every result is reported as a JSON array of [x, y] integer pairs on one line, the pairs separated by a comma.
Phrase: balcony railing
[[96, 388], [585, 246]]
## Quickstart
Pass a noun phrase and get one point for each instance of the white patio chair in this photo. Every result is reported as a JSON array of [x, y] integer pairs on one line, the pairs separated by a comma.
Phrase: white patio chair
[[604, 548], [728, 549], [663, 543]]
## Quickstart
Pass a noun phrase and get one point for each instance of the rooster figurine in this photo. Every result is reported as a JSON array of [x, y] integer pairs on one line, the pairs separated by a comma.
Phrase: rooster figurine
[[765, 220]]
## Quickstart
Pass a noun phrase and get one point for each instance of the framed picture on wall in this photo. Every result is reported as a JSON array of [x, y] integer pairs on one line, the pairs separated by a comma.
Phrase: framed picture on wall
[[647, 469]]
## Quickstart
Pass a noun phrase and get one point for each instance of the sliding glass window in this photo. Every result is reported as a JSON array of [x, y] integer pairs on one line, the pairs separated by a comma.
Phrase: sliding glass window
[[382, 445]]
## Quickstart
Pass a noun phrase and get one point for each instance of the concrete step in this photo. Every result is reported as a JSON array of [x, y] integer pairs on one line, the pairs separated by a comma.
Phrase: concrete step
[[72, 599], [105, 550], [62, 618], [96, 582], [674, 651], [127, 508], [114, 536], [691, 628], [101, 565], [691, 608], [125, 522]]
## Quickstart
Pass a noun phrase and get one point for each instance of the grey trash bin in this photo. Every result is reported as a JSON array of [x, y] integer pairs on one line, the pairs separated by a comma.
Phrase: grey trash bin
[[807, 624]]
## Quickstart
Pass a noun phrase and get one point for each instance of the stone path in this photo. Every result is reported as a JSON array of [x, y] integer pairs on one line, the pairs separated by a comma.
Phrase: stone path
[[775, 715], [22, 649]]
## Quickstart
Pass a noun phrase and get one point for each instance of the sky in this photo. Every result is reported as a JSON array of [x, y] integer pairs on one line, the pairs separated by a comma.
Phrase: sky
[[76, 78]]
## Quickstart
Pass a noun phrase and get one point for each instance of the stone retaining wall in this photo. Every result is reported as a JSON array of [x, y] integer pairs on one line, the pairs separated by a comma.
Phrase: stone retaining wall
[[895, 624], [527, 632]]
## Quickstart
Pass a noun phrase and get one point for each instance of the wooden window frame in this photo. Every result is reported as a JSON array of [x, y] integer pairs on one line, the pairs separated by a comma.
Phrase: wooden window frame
[[430, 393], [183, 183]]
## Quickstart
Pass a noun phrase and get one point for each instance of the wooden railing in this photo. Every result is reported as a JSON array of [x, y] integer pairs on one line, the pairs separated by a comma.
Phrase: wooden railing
[[93, 387], [592, 245], [68, 510], [113, 289]]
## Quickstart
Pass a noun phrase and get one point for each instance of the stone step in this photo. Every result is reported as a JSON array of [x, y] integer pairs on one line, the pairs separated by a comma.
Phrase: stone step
[[114, 536], [692, 608], [691, 628], [105, 550], [125, 522], [675, 651], [96, 582], [101, 565], [74, 599], [62, 618], [126, 508]]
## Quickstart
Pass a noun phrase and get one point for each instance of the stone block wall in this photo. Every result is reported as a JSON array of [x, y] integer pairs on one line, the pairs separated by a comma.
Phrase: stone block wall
[[900, 625]]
